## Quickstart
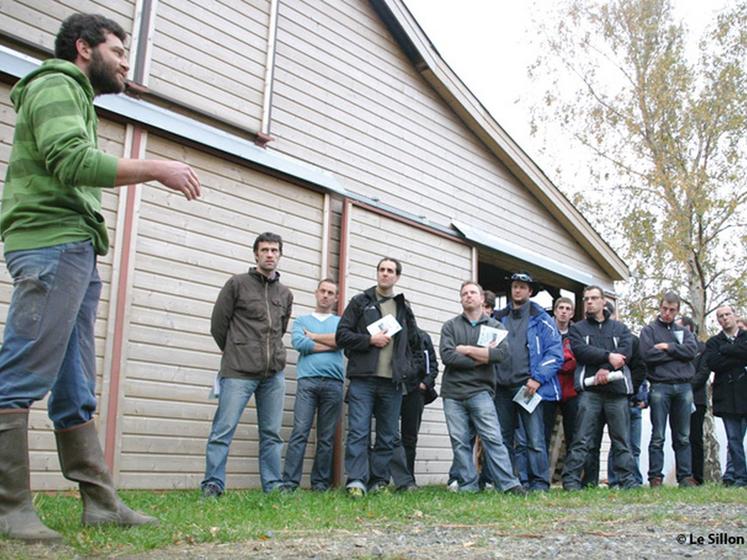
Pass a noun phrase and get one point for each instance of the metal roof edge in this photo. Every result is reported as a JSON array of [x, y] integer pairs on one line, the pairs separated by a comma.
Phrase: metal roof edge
[[158, 118], [434, 69], [527, 255]]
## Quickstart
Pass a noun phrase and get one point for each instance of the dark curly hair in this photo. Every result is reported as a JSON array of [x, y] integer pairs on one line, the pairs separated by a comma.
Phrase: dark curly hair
[[92, 28]]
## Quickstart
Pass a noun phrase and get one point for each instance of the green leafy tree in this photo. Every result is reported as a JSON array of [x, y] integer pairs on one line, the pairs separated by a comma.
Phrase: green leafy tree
[[666, 142]]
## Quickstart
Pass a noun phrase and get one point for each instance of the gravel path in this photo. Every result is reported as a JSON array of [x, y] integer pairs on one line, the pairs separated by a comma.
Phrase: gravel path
[[722, 528]]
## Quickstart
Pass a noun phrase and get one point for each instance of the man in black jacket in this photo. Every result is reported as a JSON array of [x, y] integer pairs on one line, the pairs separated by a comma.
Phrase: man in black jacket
[[379, 366], [698, 384], [603, 348], [420, 391], [669, 351], [726, 355]]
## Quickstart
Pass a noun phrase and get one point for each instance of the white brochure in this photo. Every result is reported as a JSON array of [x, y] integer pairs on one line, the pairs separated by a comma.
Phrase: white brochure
[[387, 324]]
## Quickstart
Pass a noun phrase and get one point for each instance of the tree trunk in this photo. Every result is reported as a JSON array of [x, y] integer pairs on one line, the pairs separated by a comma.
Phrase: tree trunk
[[712, 465]]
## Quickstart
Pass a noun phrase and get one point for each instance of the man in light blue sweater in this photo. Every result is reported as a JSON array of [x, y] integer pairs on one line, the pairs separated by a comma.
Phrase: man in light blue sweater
[[319, 375]]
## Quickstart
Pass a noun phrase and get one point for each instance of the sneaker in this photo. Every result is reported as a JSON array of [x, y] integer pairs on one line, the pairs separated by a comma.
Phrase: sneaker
[[211, 490], [517, 490], [688, 482], [656, 482], [412, 487], [380, 487], [453, 486], [355, 492]]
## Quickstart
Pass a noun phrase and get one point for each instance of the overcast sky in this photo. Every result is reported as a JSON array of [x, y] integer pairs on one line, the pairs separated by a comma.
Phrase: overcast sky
[[488, 44]]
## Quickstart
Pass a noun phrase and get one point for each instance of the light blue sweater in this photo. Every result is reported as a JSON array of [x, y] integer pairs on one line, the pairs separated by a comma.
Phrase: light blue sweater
[[316, 364]]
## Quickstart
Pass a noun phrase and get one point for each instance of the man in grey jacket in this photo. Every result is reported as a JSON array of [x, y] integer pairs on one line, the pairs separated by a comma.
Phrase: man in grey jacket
[[668, 350], [249, 319], [468, 388]]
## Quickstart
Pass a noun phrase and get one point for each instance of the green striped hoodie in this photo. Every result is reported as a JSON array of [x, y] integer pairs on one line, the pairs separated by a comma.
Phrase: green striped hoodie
[[52, 191]]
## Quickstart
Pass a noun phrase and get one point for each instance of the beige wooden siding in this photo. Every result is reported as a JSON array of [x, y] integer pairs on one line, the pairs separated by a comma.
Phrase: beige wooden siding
[[185, 253], [38, 21], [433, 269], [44, 464], [347, 99], [212, 56]]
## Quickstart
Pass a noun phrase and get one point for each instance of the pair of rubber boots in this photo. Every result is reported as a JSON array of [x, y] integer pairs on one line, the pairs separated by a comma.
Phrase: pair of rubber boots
[[82, 461]]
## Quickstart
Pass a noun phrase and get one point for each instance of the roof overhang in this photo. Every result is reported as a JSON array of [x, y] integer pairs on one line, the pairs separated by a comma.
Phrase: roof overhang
[[494, 243], [426, 59]]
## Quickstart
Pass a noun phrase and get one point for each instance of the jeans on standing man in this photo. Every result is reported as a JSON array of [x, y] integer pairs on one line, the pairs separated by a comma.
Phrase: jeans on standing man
[[674, 401], [481, 410], [320, 396], [269, 394]]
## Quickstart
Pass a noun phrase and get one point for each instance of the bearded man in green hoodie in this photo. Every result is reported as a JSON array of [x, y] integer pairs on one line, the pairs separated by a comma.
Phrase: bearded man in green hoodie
[[53, 229]]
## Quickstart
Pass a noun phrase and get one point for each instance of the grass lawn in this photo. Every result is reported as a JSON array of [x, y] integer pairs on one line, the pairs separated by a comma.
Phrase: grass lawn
[[242, 515]]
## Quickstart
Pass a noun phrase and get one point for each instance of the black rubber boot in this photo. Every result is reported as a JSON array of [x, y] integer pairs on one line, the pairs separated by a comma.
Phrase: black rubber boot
[[18, 520], [82, 461]]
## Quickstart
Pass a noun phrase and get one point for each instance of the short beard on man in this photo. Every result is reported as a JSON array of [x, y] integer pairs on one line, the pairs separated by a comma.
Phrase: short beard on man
[[102, 77]]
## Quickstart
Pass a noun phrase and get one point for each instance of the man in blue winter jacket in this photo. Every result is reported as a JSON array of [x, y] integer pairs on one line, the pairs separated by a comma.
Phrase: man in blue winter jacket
[[603, 348], [536, 354]]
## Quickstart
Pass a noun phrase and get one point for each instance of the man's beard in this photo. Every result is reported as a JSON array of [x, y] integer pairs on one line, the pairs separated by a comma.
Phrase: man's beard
[[103, 78]]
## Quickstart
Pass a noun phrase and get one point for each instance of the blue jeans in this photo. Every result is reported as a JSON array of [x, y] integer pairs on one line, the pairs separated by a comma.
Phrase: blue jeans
[[321, 396], [676, 402], [48, 344], [521, 462], [509, 412], [371, 397], [636, 420], [736, 428], [481, 410], [593, 409], [234, 395]]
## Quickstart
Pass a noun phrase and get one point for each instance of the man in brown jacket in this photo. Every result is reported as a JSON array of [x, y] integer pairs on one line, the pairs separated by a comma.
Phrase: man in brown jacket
[[249, 319]]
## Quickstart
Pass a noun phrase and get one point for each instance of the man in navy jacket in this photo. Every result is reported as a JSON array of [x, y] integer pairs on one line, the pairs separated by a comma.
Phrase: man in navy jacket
[[603, 347]]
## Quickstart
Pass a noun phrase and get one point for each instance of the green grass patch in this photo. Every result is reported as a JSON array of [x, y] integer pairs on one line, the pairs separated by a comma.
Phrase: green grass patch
[[242, 515]]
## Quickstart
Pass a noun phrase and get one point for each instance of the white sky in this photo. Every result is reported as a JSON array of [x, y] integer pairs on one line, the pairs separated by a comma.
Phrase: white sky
[[488, 44]]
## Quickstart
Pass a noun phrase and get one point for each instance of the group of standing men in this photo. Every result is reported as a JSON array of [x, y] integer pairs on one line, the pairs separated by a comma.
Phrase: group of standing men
[[53, 231]]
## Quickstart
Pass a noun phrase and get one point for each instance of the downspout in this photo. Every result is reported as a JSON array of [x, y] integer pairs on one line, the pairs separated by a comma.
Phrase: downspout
[[338, 453], [263, 136]]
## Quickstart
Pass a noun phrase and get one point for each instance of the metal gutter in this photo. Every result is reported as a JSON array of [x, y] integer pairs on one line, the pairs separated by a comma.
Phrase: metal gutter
[[173, 124]]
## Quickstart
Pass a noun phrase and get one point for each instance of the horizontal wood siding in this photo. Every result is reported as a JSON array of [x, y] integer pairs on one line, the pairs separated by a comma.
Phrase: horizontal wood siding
[[346, 98], [38, 21], [433, 269], [43, 455], [211, 56], [185, 253]]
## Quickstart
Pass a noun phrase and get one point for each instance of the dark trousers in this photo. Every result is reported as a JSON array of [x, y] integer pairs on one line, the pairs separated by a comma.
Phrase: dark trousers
[[592, 409], [696, 441], [403, 461]]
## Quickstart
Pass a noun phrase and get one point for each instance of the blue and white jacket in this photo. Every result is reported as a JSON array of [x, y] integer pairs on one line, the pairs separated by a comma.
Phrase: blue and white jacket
[[545, 347]]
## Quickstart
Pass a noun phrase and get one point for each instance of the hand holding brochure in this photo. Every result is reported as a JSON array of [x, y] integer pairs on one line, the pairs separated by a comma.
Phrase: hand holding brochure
[[528, 402], [490, 336], [387, 324], [612, 376]]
